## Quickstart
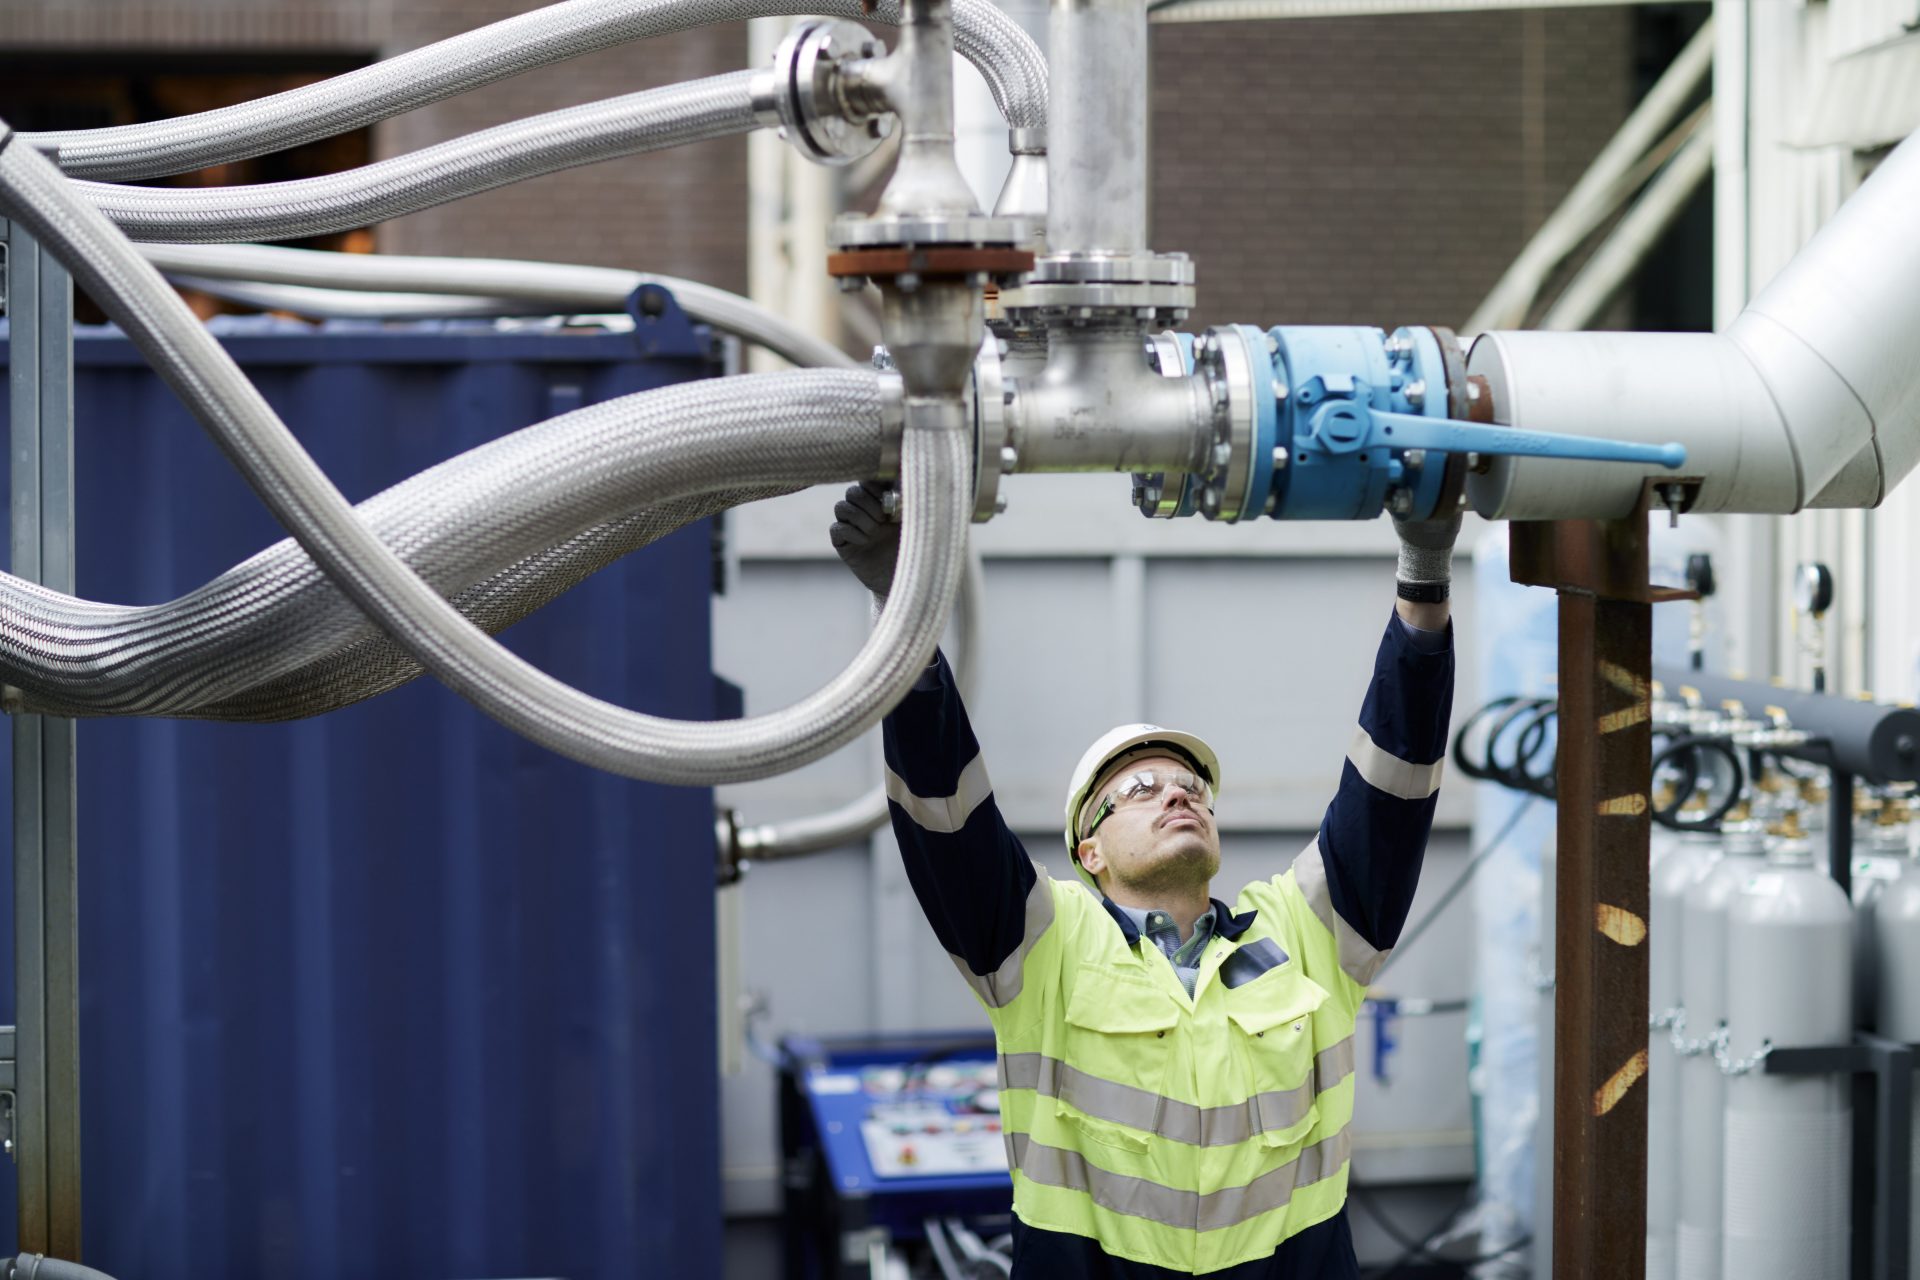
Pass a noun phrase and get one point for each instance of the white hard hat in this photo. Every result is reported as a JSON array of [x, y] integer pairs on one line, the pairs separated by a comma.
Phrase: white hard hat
[[1132, 739]]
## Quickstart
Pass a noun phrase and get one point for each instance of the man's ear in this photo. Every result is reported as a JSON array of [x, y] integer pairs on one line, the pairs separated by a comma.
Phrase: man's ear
[[1089, 855]]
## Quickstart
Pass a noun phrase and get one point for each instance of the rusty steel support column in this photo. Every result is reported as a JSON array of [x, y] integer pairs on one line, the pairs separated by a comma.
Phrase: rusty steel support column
[[1599, 569]]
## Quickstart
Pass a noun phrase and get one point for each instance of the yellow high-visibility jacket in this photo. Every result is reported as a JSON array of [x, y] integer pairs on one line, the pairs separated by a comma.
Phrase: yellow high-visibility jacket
[[1193, 1133]]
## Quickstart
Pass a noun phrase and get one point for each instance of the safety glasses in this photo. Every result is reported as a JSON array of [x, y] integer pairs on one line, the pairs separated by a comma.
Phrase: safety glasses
[[1149, 785]]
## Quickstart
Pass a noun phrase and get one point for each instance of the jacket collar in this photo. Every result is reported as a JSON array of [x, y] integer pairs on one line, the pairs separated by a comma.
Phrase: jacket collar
[[1225, 924]]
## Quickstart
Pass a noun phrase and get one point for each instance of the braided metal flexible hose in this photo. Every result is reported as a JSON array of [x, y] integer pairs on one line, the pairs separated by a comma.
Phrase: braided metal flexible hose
[[717, 107], [935, 483], [376, 664], [1012, 65], [543, 287], [551, 501]]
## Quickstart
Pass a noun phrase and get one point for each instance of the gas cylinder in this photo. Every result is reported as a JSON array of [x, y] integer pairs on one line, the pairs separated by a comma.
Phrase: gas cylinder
[[1879, 856], [1896, 929], [1699, 1088], [1685, 861], [1786, 1157]]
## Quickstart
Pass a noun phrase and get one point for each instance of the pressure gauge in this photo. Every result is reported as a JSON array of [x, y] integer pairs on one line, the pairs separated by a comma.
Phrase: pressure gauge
[[1813, 589]]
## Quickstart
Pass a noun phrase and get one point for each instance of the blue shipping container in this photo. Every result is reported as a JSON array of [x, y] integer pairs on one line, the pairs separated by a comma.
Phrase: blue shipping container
[[390, 992]]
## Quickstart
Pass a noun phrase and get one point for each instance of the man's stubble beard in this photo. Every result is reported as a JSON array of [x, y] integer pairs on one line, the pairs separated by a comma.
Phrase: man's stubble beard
[[1182, 869]]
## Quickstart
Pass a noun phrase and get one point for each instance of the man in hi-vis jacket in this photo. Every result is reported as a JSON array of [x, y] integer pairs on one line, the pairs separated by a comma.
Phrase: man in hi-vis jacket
[[1176, 1072]]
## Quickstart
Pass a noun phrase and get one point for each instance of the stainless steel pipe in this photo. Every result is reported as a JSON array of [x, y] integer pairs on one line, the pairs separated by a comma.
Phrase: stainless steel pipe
[[1097, 136], [1099, 406]]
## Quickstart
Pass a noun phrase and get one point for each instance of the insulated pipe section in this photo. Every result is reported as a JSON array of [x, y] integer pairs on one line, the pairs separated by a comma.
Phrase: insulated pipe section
[[1811, 397], [1014, 68], [717, 107], [936, 475], [494, 512], [1834, 332], [543, 287], [1097, 149], [1878, 744]]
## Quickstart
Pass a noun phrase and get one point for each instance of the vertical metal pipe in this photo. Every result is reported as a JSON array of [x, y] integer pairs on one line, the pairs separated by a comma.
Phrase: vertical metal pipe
[[46, 884], [1097, 127], [927, 178]]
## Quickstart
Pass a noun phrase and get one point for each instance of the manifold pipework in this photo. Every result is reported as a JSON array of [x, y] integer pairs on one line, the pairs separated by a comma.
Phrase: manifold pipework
[[1303, 422], [927, 247]]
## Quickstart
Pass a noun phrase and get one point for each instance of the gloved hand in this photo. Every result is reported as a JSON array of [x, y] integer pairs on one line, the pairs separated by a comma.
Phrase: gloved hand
[[867, 539], [1426, 548]]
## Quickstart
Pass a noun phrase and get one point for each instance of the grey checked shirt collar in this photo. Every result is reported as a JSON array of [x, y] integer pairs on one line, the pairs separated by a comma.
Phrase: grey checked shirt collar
[[1158, 927]]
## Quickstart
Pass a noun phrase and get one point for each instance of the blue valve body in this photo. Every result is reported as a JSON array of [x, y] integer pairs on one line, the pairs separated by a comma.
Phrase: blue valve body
[[1338, 377], [1344, 421]]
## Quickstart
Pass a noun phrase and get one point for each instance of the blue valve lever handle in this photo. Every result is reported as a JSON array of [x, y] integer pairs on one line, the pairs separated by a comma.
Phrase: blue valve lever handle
[[1448, 435]]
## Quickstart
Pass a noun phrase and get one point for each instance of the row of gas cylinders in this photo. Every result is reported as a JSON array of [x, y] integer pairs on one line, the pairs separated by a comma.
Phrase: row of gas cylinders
[[1752, 944]]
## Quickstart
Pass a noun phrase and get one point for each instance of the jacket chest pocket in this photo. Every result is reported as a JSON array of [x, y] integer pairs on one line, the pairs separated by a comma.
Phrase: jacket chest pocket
[[1273, 1048], [1110, 1085]]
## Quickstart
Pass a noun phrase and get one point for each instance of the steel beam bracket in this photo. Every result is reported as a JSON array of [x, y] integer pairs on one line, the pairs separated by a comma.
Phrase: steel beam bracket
[[1600, 570]]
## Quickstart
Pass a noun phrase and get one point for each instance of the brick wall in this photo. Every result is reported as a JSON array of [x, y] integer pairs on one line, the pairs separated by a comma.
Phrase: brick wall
[[1380, 171], [682, 212], [1376, 170]]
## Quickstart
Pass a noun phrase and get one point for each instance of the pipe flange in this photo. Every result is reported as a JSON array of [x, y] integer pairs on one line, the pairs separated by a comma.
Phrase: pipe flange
[[927, 231], [905, 250], [993, 452], [1160, 495], [1223, 358], [1158, 287], [800, 94], [1102, 268]]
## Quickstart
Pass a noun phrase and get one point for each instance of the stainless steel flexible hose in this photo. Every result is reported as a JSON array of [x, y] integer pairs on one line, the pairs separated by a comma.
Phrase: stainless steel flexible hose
[[861, 816], [1012, 65], [375, 664], [716, 107], [549, 501], [542, 288], [935, 482]]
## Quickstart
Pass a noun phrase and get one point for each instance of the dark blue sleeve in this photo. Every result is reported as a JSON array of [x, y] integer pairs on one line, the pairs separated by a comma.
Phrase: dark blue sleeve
[[1375, 833], [970, 873]]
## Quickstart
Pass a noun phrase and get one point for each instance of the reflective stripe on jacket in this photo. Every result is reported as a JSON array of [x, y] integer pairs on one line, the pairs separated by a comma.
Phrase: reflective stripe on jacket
[[1191, 1134]]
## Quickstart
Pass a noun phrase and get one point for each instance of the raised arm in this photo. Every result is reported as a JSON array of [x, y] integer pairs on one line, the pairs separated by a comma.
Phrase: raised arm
[[971, 874], [1360, 873]]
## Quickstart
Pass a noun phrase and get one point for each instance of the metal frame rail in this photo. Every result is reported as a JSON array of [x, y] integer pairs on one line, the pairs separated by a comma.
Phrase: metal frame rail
[[1882, 1073], [40, 1074]]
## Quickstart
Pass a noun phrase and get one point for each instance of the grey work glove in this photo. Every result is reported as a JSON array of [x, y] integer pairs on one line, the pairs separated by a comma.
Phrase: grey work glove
[[1426, 548], [867, 539]]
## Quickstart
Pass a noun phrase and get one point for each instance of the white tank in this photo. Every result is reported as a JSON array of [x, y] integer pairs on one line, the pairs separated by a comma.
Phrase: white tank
[[1686, 860], [1787, 1155], [1879, 858], [1698, 1089], [1896, 927]]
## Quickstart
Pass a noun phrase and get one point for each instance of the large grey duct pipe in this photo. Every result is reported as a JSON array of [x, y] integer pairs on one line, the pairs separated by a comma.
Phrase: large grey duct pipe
[[1811, 397], [1013, 67], [936, 487]]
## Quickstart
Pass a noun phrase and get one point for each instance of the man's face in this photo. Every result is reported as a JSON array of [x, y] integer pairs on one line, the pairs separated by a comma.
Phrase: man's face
[[1153, 844]]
